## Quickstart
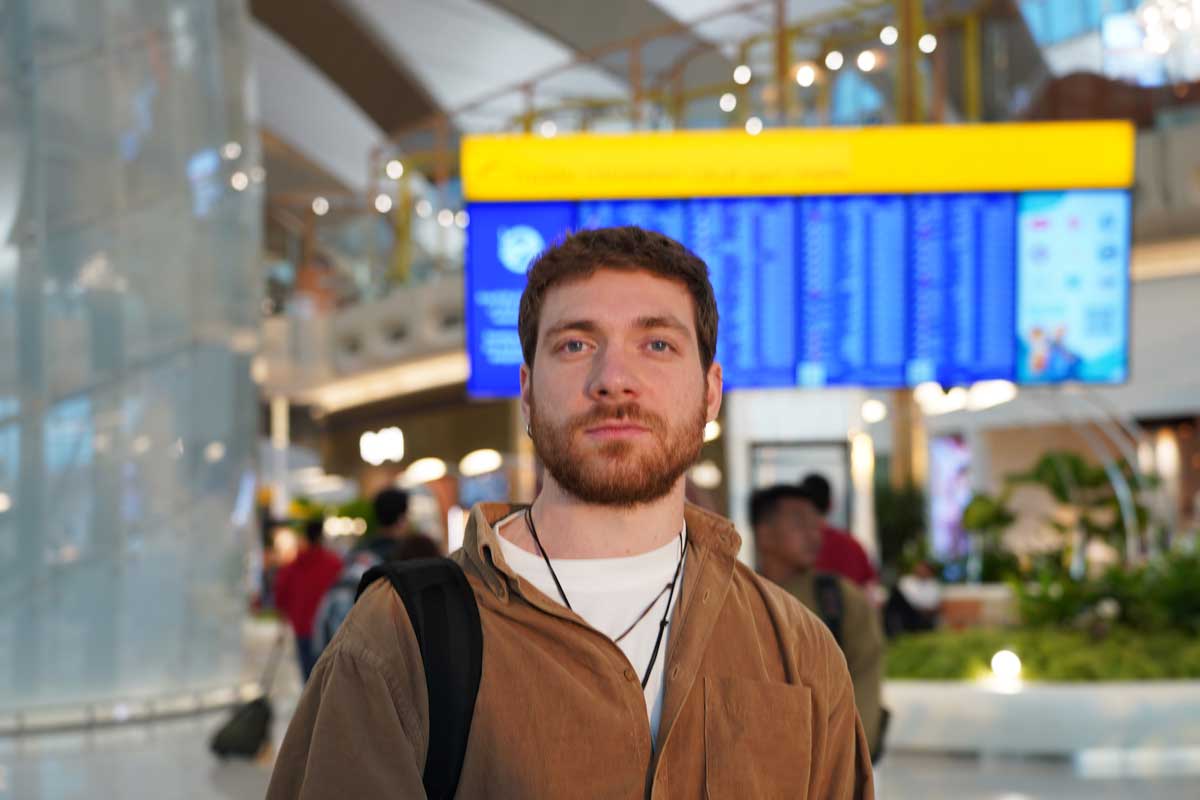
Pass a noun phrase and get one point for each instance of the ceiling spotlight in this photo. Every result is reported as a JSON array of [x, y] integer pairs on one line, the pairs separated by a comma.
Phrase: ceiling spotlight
[[445, 218], [754, 126], [834, 60], [742, 75], [424, 208], [727, 102], [258, 174], [239, 181], [867, 60], [231, 150], [383, 203], [807, 75], [889, 35], [549, 129], [462, 219], [320, 206], [395, 169], [927, 43]]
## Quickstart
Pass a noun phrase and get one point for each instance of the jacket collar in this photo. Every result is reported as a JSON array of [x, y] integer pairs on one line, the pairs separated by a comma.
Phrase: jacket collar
[[708, 535]]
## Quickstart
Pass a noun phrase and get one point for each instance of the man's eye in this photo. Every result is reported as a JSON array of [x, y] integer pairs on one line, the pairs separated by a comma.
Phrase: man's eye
[[572, 346], [660, 346]]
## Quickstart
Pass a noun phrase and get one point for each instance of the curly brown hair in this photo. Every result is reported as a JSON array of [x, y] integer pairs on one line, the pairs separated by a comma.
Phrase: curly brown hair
[[578, 255]]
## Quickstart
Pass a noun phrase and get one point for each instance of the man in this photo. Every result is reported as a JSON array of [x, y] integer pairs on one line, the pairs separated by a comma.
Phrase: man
[[626, 652], [840, 553], [300, 586], [787, 533]]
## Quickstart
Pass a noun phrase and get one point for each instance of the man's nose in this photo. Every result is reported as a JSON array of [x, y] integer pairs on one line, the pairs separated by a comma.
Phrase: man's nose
[[613, 376]]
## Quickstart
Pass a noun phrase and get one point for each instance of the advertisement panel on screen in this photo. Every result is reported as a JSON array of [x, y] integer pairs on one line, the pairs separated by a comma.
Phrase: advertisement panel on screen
[[862, 289]]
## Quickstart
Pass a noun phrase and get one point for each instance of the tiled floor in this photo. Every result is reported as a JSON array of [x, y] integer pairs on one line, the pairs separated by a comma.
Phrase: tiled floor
[[170, 761]]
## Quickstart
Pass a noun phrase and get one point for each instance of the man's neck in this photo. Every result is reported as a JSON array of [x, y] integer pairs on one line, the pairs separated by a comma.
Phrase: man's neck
[[570, 528]]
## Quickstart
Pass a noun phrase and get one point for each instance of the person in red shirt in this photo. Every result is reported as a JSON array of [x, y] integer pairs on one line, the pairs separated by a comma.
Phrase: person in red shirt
[[300, 586], [840, 551]]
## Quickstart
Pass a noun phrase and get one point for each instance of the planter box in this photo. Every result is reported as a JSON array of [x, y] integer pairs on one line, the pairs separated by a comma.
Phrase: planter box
[[1044, 719]]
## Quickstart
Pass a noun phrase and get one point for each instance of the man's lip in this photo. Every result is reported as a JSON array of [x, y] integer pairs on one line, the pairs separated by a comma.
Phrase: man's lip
[[615, 428]]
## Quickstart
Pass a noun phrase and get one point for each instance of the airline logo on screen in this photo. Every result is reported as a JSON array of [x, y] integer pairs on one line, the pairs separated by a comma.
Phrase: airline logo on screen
[[517, 246]]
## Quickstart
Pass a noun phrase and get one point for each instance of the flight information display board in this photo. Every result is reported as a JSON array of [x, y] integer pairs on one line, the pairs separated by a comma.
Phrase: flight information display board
[[854, 290]]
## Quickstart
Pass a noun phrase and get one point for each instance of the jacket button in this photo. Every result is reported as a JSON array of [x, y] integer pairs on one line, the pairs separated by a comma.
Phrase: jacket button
[[630, 675]]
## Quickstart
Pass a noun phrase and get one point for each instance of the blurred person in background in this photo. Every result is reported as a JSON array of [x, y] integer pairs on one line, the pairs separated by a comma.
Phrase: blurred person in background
[[623, 643], [394, 540], [840, 552], [788, 534], [300, 586]]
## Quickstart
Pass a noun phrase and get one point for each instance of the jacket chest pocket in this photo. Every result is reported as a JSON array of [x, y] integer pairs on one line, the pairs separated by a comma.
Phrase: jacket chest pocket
[[757, 739]]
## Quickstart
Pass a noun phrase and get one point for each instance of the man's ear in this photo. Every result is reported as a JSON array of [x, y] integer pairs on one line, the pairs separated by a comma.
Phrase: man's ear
[[713, 392]]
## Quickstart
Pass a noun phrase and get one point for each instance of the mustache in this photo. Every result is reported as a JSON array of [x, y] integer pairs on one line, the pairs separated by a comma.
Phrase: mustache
[[624, 412]]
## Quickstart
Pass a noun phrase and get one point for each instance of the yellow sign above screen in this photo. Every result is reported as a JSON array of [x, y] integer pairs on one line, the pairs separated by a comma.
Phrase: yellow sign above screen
[[800, 161]]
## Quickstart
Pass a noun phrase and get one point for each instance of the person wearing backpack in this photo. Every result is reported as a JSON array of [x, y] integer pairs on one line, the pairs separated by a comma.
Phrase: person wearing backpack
[[788, 535], [604, 641], [393, 541]]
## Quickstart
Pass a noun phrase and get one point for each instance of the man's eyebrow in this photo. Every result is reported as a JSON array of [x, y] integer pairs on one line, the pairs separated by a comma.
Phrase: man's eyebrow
[[662, 321], [583, 325]]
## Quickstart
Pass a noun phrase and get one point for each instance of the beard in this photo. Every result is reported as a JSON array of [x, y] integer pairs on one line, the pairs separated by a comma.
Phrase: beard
[[619, 473]]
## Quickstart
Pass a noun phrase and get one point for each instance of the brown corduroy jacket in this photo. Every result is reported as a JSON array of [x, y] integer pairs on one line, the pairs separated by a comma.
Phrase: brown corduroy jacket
[[758, 701]]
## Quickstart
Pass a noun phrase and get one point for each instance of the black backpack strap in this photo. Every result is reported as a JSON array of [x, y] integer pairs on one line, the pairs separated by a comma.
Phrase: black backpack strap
[[829, 603], [445, 619]]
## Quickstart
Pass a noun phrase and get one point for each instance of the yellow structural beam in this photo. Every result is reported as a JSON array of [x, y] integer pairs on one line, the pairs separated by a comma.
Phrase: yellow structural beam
[[800, 161]]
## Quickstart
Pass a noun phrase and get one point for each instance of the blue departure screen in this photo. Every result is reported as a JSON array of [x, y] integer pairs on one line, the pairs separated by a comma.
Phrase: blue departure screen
[[877, 291]]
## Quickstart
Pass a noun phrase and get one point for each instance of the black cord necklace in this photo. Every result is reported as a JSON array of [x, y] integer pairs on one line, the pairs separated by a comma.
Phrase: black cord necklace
[[662, 626]]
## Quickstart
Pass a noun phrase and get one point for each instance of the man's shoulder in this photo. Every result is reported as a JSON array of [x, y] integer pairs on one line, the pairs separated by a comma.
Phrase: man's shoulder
[[798, 627]]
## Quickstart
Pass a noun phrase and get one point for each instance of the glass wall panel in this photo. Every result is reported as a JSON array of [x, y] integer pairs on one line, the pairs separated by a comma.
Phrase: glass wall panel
[[128, 300]]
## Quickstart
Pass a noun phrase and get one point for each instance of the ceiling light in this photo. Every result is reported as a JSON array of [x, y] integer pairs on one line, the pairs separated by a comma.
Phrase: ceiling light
[[480, 462], [231, 150], [754, 126], [239, 181], [989, 394], [462, 219], [727, 102], [5, 503], [376, 447], [889, 35], [424, 208], [395, 169], [927, 43], [706, 475], [383, 203], [712, 431], [742, 75], [874, 411], [258, 174], [807, 75], [445, 218], [320, 206], [549, 129], [214, 452], [424, 470], [834, 60], [866, 60]]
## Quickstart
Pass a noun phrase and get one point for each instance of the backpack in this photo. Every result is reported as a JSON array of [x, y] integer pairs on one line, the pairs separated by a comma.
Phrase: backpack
[[445, 619]]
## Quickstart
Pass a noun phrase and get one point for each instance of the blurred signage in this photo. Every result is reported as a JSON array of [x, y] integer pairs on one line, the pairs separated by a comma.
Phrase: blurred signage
[[884, 289]]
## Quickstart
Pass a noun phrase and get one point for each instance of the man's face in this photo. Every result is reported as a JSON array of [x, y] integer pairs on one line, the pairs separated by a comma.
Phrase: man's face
[[618, 399], [793, 533]]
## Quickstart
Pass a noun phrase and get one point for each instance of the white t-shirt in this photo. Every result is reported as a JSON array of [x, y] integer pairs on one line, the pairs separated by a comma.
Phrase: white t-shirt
[[609, 594]]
